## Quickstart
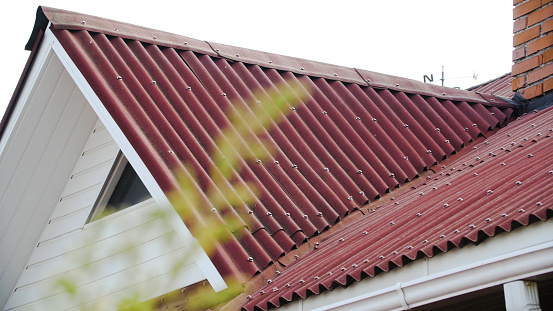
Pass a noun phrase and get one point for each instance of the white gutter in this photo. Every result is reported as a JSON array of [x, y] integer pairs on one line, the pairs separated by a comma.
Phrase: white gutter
[[521, 254]]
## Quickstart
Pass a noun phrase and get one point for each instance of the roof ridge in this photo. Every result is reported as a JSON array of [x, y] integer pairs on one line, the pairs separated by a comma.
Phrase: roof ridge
[[67, 20]]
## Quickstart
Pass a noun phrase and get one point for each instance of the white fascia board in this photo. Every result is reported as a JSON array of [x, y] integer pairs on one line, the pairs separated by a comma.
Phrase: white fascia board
[[523, 263], [205, 264]]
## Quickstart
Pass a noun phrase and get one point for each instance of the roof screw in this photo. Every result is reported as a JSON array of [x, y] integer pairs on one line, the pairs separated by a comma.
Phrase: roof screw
[[275, 289], [119, 78], [464, 164], [287, 214], [442, 236], [472, 226], [213, 209], [397, 84], [502, 148], [443, 167], [301, 68], [350, 198], [513, 143], [409, 247], [250, 212], [188, 88], [525, 138], [359, 172], [154, 82], [460, 199], [491, 154], [292, 108], [447, 141], [237, 55], [329, 273], [392, 175], [366, 261], [550, 172], [490, 191], [437, 129], [276, 162], [224, 94], [185, 43], [258, 102], [269, 214], [509, 135], [396, 203], [518, 183], [405, 125], [262, 292], [170, 151], [428, 151], [504, 215], [83, 22], [369, 80], [294, 166], [466, 129], [456, 231], [428, 177], [474, 125], [343, 269], [217, 50], [154, 37], [287, 285], [324, 112], [305, 216], [341, 240], [488, 220], [539, 203], [486, 142], [277, 272], [335, 74], [249, 297], [532, 125], [392, 223], [434, 188], [270, 62], [474, 148], [316, 278], [503, 164], [361, 192], [443, 93], [316, 245], [530, 155], [320, 214], [419, 214], [358, 119], [421, 193], [448, 183], [475, 174], [365, 233], [258, 161], [539, 134], [521, 210], [492, 113], [296, 257], [354, 265], [381, 257], [446, 205], [250, 259], [425, 241], [269, 281], [374, 119], [477, 158], [406, 158]]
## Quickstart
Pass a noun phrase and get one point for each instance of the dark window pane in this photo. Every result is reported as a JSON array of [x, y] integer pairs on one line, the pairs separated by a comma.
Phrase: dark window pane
[[129, 191]]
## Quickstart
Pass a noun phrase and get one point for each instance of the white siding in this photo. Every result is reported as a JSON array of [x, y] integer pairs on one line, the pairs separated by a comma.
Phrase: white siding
[[136, 249]]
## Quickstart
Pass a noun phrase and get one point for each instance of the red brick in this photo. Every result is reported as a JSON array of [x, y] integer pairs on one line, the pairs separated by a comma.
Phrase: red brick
[[526, 35], [547, 26], [519, 82], [526, 8], [547, 84], [520, 24], [526, 65], [519, 53], [515, 2], [544, 2], [532, 91], [547, 56], [541, 73], [540, 44], [540, 15]]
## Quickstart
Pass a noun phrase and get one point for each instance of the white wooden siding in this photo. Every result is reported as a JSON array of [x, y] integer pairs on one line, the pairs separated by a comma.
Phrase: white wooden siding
[[107, 259]]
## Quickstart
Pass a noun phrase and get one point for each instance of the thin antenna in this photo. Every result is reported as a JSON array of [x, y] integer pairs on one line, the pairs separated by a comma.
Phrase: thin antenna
[[442, 76]]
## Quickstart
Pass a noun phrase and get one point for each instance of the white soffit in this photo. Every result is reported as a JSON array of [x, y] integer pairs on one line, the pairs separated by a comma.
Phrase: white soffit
[[203, 261]]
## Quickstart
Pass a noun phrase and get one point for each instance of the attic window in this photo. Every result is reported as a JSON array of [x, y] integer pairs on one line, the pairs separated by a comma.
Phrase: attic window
[[123, 188]]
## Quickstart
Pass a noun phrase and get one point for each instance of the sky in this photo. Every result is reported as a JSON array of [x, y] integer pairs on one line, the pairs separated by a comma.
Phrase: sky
[[403, 37]]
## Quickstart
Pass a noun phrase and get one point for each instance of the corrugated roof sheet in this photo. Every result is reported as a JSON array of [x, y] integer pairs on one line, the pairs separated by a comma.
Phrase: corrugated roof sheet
[[501, 86], [357, 136], [501, 183]]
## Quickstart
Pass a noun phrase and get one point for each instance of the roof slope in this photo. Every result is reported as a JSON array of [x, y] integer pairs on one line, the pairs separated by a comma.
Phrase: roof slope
[[501, 86], [465, 201], [358, 135]]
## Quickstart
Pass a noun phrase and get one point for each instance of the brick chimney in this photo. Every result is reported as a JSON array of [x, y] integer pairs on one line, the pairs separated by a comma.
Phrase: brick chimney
[[533, 42]]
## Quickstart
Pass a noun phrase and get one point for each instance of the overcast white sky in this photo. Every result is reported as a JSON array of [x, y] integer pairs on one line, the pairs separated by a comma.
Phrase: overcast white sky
[[403, 37]]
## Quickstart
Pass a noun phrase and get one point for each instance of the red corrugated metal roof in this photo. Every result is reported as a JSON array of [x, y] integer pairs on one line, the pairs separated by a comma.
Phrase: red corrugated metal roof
[[501, 86], [358, 135], [500, 184]]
